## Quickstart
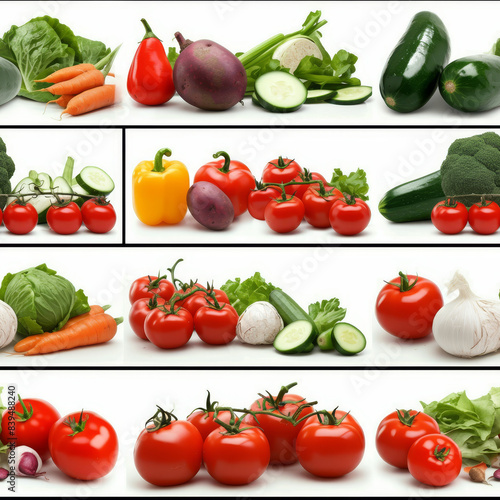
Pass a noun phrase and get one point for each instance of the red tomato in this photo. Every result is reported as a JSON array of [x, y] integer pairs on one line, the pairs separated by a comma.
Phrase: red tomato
[[32, 426], [407, 305], [197, 300], [232, 177], [284, 216], [169, 330], [300, 190], [84, 445], [236, 459], [332, 448], [398, 431], [147, 286], [348, 218], [216, 326], [138, 312], [435, 460], [99, 216], [449, 217], [484, 219], [317, 207], [280, 433], [281, 171], [258, 200], [65, 219], [189, 289], [168, 452], [20, 218], [203, 418]]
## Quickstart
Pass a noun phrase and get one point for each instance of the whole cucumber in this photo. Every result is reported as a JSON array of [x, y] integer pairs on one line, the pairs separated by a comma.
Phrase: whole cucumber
[[472, 83], [413, 200], [411, 74]]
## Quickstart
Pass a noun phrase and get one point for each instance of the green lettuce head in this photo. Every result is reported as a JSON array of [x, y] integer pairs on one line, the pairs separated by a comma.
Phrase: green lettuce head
[[42, 300]]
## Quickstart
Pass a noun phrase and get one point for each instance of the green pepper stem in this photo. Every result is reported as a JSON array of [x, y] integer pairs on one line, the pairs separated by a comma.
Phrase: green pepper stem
[[149, 31], [227, 161], [158, 163]]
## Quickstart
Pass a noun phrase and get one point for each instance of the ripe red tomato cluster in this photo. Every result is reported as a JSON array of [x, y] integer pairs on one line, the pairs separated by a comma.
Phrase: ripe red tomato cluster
[[451, 217], [160, 314], [83, 445], [321, 207], [237, 451], [97, 215], [412, 440], [406, 306]]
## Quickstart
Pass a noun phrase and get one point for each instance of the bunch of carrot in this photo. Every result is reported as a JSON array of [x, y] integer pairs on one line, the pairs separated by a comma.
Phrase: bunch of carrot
[[91, 328], [82, 88]]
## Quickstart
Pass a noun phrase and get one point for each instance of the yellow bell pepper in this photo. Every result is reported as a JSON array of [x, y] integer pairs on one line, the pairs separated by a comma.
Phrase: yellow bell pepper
[[159, 190]]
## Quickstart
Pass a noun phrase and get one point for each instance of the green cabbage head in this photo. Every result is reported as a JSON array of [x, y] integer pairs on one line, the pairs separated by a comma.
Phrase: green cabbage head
[[42, 300]]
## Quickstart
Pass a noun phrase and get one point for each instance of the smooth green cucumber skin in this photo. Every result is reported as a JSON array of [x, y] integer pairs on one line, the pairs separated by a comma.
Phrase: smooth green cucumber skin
[[289, 310], [412, 72], [10, 81], [472, 83], [413, 200]]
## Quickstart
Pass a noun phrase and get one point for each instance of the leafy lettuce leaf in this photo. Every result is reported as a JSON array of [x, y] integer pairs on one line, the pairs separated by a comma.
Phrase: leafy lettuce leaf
[[474, 425], [326, 314], [243, 293], [354, 184], [42, 46]]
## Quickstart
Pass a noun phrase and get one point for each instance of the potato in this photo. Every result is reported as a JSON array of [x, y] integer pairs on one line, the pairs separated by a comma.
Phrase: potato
[[210, 206]]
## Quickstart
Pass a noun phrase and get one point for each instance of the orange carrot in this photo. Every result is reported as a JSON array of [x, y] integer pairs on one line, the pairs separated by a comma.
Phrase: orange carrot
[[64, 74], [80, 83], [92, 330], [62, 100], [90, 100], [30, 342], [482, 466]]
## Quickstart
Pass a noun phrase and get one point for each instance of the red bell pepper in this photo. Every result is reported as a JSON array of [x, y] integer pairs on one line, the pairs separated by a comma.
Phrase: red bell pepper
[[232, 177], [150, 80]]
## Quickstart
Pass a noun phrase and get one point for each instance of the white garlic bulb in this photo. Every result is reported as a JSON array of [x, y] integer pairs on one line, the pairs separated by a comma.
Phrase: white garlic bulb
[[468, 326]]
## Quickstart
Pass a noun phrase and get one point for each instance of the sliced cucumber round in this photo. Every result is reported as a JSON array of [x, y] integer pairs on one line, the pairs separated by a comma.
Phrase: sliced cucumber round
[[255, 100], [294, 338], [325, 341], [280, 92], [95, 181], [319, 95], [347, 339], [352, 95]]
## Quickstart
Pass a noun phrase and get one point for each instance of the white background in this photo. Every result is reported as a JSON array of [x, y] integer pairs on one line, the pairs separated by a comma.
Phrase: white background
[[368, 29], [46, 150], [370, 395], [389, 157]]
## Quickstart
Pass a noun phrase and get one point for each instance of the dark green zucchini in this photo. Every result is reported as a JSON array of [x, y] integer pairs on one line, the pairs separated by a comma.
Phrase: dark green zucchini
[[413, 200], [411, 74], [472, 83]]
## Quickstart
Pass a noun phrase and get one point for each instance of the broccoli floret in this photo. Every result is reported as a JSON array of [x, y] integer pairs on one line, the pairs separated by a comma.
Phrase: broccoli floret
[[3, 147], [472, 167], [5, 186], [6, 163]]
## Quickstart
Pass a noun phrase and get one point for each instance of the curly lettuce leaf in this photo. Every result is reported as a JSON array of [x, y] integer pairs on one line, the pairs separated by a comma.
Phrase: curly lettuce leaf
[[354, 184], [473, 424], [243, 293], [326, 314]]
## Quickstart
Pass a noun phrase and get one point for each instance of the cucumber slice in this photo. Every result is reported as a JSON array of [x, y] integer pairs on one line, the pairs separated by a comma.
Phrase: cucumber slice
[[77, 189], [59, 185], [319, 95], [280, 92], [294, 338], [255, 100], [325, 341], [307, 349], [95, 181], [347, 339], [352, 95]]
